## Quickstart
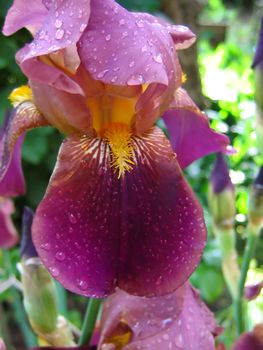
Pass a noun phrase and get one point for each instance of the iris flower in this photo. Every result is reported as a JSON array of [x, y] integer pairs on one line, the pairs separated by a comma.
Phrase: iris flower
[[177, 321], [11, 185], [117, 211], [250, 340]]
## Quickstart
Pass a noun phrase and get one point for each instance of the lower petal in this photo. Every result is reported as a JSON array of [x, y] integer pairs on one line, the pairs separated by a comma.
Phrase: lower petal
[[189, 130], [144, 232]]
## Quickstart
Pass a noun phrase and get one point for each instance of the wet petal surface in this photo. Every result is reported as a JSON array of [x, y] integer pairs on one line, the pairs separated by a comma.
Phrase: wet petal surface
[[189, 130], [177, 321], [144, 233]]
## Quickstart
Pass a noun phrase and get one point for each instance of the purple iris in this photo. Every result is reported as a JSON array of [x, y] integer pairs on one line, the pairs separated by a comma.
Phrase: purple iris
[[250, 340], [175, 321], [118, 211], [11, 185]]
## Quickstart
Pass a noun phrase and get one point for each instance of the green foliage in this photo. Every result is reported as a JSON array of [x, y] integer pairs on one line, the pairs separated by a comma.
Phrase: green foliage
[[138, 5]]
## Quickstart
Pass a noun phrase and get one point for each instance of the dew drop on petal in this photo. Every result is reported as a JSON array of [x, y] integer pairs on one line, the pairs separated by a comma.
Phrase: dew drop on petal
[[82, 28], [83, 285], [72, 218], [45, 246], [102, 74], [58, 23], [60, 256], [59, 34], [158, 58], [54, 271], [135, 80], [108, 37], [132, 64]]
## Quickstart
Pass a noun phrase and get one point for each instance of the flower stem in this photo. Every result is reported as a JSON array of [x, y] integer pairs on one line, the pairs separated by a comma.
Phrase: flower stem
[[248, 254], [17, 306], [89, 321]]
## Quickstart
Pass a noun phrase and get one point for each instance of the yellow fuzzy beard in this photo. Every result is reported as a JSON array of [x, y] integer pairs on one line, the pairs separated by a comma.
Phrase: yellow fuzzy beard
[[118, 136]]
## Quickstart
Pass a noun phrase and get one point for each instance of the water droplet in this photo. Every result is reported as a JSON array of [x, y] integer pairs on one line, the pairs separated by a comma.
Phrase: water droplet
[[158, 58], [122, 22], [132, 64], [45, 246], [72, 218], [108, 37], [139, 24], [58, 23], [83, 285], [60, 256], [59, 34], [102, 74], [54, 271], [82, 28], [135, 80]]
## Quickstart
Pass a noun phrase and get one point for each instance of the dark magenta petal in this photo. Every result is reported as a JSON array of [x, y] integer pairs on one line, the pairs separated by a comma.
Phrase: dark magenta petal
[[258, 58], [29, 14], [190, 133], [252, 291], [144, 232], [23, 118], [8, 234], [56, 348], [119, 47], [12, 183], [177, 321], [248, 341], [220, 178]]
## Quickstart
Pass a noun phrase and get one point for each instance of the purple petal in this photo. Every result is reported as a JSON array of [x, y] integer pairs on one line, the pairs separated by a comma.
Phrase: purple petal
[[144, 233], [29, 14], [74, 348], [178, 321], [182, 36], [258, 58], [67, 112], [220, 178], [63, 26], [40, 72], [8, 234], [24, 117], [251, 292], [190, 133], [248, 341], [120, 48], [12, 183], [27, 248]]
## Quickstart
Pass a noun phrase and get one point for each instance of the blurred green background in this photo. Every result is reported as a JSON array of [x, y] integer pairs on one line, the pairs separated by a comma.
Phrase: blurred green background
[[227, 35]]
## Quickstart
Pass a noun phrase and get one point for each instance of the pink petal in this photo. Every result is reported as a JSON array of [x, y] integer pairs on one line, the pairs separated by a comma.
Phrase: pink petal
[[8, 234], [120, 48], [189, 130], [29, 14], [177, 321], [144, 233]]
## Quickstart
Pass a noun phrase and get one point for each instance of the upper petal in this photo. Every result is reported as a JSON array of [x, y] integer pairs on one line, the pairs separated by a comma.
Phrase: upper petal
[[8, 233], [30, 14], [63, 25], [119, 48], [189, 131], [144, 233]]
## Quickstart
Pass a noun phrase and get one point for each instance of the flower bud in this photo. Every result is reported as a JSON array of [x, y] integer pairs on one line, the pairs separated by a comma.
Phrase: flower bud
[[221, 196], [255, 212], [40, 293]]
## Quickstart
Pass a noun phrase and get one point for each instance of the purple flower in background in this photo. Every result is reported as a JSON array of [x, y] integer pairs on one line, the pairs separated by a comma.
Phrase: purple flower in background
[[12, 184], [118, 211], [250, 340], [258, 58], [252, 291], [177, 321]]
